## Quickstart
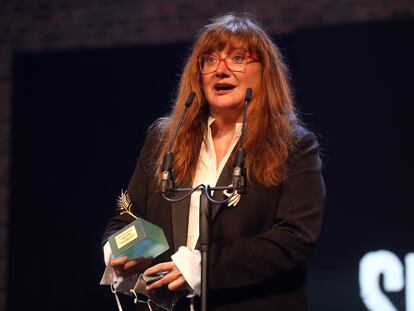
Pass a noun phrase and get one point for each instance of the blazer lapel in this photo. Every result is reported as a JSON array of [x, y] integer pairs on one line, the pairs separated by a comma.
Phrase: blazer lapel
[[223, 180], [179, 219]]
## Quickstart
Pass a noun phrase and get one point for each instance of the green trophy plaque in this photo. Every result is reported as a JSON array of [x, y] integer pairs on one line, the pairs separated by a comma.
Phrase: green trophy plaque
[[138, 239]]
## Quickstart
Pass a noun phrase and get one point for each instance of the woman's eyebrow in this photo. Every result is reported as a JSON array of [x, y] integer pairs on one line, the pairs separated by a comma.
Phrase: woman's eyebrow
[[236, 48]]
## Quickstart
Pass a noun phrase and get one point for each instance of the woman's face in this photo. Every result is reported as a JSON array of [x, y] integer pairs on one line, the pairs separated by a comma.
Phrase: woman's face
[[225, 89]]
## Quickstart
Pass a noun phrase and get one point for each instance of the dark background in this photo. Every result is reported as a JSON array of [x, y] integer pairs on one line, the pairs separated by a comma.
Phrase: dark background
[[79, 120]]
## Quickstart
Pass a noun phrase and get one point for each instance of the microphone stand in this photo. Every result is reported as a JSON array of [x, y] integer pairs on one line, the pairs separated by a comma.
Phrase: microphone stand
[[239, 185], [204, 233]]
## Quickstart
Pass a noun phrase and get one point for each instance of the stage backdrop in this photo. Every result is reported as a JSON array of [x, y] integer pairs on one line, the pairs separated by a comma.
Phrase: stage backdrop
[[79, 120]]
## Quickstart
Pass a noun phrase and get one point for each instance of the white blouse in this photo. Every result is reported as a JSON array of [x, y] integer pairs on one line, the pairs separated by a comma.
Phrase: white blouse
[[188, 260]]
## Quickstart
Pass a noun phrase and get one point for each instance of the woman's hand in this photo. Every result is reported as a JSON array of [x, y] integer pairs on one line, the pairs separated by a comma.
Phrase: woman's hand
[[124, 268], [174, 279]]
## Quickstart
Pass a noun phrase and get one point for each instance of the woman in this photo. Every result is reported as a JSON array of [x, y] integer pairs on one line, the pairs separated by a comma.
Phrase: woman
[[259, 245]]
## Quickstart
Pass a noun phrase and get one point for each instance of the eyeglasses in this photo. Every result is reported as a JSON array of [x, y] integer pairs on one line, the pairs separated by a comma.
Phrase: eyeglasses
[[237, 61]]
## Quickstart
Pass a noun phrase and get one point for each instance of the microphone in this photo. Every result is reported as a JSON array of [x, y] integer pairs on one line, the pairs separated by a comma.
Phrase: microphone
[[167, 175], [249, 93], [239, 170]]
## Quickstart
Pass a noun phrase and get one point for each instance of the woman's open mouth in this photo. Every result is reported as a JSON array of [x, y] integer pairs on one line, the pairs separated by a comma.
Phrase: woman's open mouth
[[223, 88]]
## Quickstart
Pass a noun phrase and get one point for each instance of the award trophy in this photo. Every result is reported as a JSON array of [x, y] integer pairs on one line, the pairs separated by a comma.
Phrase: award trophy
[[138, 239], [142, 239]]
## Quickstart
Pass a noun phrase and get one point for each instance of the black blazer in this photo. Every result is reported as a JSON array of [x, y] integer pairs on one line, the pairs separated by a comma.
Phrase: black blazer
[[260, 246]]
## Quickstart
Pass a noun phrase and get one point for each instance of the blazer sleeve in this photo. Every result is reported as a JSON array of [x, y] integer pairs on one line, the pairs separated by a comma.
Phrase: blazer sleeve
[[137, 190], [296, 226]]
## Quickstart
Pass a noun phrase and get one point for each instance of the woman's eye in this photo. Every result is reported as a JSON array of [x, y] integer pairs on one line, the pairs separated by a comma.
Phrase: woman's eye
[[237, 58], [210, 60]]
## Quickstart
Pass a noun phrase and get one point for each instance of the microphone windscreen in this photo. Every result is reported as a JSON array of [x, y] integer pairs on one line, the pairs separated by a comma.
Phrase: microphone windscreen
[[249, 93], [190, 99]]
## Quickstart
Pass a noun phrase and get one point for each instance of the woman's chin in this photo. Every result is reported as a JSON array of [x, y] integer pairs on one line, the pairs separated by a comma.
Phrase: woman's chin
[[226, 108]]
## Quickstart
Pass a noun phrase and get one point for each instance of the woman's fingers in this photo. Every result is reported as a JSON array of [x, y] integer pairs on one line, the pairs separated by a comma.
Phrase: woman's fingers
[[141, 263], [118, 261], [164, 266], [124, 268], [165, 280], [174, 279], [177, 284]]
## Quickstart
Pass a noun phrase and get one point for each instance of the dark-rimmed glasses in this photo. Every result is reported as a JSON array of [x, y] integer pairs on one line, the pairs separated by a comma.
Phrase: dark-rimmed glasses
[[236, 61]]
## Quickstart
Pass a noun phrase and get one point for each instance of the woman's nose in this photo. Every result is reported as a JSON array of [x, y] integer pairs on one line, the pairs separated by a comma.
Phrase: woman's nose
[[222, 67]]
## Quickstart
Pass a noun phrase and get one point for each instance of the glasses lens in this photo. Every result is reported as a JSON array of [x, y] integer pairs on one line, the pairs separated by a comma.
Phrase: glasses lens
[[237, 61], [208, 63]]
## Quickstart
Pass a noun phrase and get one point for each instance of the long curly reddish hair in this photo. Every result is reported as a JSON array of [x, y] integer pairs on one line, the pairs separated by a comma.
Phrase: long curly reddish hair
[[271, 118]]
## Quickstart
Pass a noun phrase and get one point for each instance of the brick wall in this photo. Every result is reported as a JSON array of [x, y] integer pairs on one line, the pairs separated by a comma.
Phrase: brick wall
[[40, 25]]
